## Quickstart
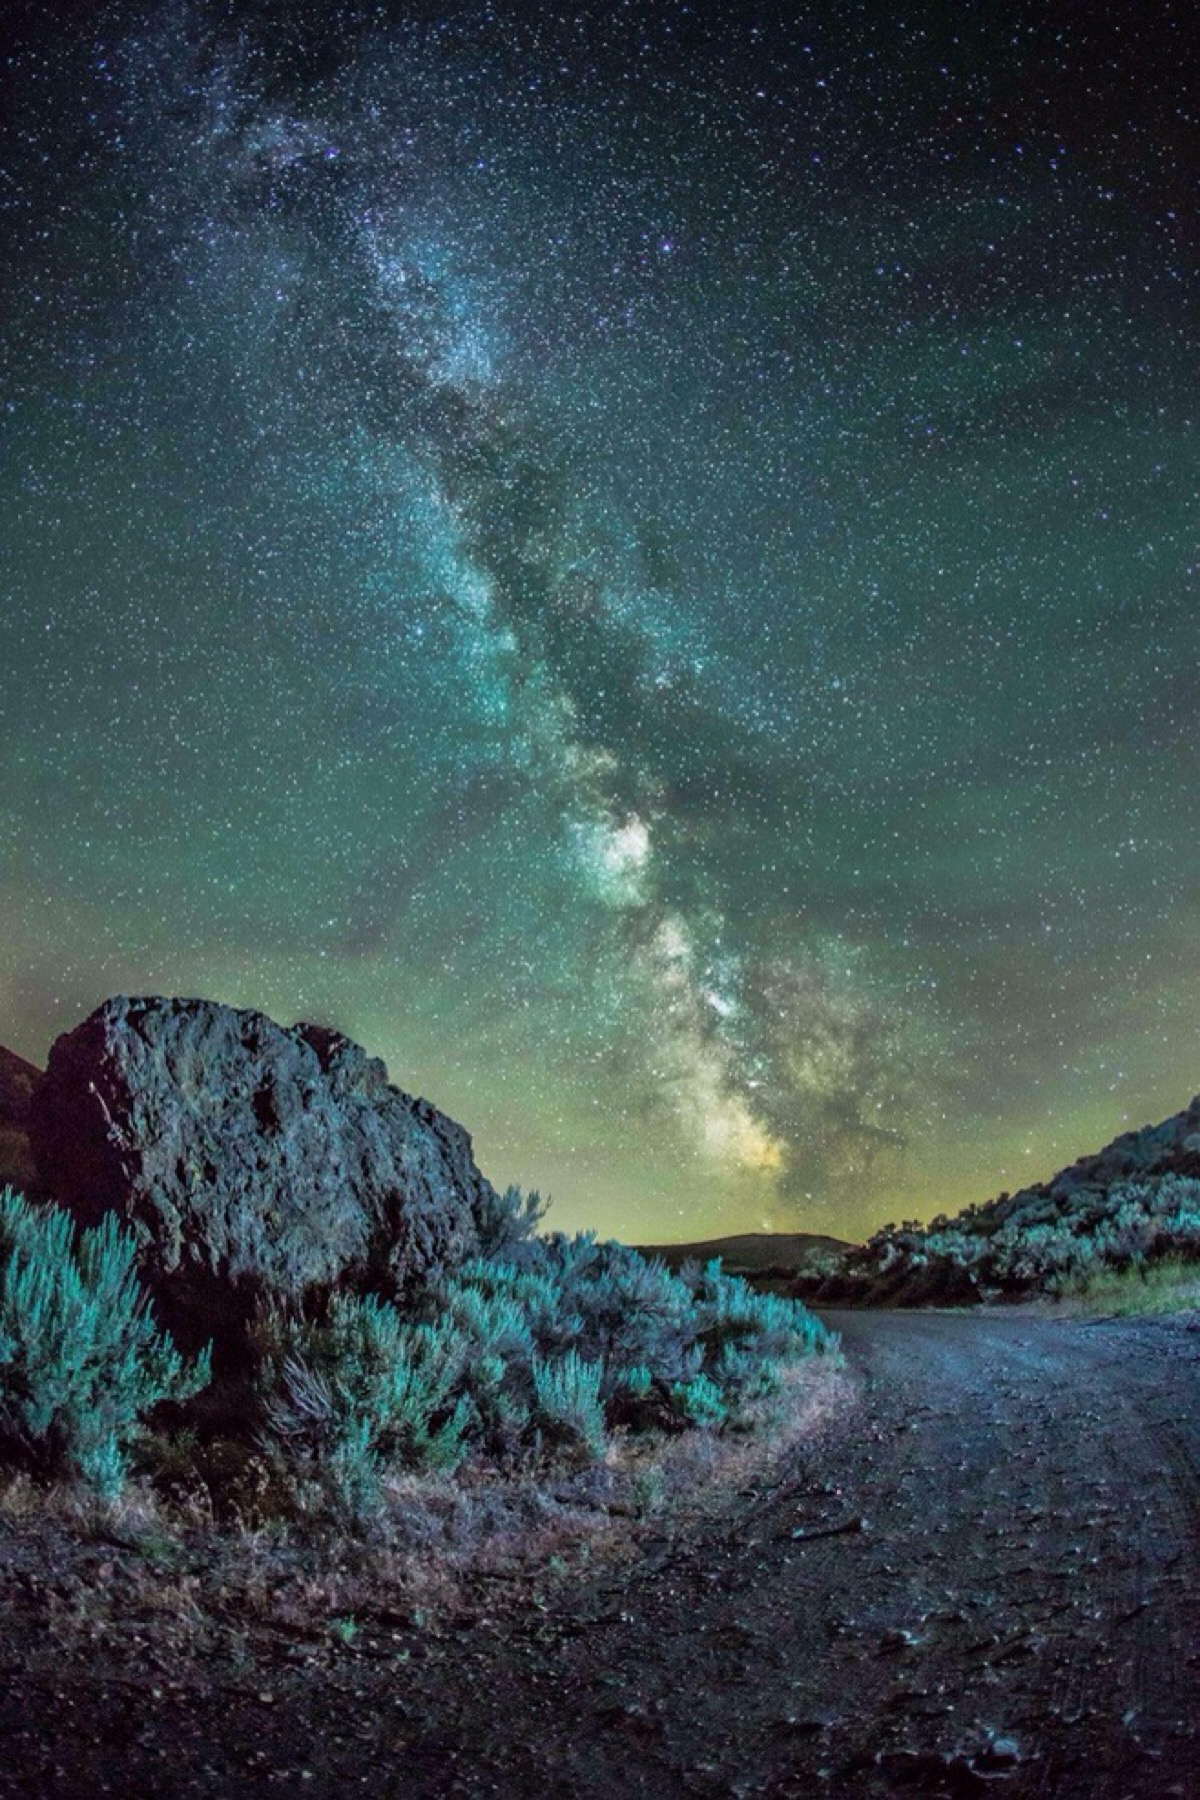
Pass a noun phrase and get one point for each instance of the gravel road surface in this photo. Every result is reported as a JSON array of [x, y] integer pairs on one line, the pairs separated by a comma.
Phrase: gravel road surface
[[983, 1580]]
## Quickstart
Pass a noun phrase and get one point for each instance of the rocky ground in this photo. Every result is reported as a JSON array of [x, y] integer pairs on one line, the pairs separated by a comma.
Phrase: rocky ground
[[984, 1579]]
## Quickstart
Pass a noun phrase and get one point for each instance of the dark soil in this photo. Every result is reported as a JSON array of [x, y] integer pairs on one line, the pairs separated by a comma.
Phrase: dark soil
[[984, 1579]]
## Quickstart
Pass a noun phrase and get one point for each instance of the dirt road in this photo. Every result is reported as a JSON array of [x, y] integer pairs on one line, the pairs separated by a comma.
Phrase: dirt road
[[985, 1582]]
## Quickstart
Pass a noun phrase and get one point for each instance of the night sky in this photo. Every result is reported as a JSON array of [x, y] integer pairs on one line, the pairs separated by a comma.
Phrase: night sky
[[642, 563]]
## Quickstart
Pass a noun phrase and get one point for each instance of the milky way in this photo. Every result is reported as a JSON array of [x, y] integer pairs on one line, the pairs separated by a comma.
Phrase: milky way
[[641, 564]]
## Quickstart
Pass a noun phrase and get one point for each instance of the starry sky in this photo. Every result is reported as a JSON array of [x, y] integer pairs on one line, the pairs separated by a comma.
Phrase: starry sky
[[642, 562]]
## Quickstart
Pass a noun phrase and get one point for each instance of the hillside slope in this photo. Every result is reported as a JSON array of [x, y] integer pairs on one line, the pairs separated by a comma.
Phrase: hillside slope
[[1132, 1204]]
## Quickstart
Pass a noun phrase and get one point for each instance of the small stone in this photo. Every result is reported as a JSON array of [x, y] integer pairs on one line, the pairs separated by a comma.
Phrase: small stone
[[899, 1639], [808, 1724], [998, 1753]]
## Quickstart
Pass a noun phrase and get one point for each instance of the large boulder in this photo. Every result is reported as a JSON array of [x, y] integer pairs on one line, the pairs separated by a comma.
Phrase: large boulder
[[254, 1162], [18, 1079]]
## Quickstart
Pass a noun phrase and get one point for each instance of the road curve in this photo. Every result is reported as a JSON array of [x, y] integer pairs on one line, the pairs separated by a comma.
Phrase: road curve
[[983, 1581], [1019, 1614]]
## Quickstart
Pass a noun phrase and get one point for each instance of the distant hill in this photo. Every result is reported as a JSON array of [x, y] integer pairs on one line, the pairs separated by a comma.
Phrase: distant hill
[[750, 1252], [18, 1079]]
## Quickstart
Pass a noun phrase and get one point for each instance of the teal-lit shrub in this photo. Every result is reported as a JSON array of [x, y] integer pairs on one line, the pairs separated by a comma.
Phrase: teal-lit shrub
[[567, 1401], [362, 1390], [496, 1327], [622, 1310], [82, 1362], [746, 1335], [637, 1382], [1056, 1241], [516, 1358], [700, 1402], [507, 1223]]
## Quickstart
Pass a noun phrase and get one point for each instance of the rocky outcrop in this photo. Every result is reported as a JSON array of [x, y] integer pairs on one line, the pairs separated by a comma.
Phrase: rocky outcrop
[[254, 1162], [18, 1079]]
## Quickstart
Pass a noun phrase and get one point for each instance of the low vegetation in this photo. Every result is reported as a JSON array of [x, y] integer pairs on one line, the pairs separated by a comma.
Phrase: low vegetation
[[1169, 1285], [82, 1364], [537, 1358], [1062, 1241]]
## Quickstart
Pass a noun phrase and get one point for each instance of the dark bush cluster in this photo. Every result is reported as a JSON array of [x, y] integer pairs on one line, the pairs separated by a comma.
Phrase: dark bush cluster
[[537, 1356], [535, 1351]]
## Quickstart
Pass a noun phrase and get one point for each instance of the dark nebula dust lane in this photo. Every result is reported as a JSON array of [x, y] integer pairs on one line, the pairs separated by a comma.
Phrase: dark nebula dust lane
[[643, 564]]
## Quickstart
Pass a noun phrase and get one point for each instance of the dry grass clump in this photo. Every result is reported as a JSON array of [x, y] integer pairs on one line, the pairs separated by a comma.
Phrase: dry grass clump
[[1139, 1289]]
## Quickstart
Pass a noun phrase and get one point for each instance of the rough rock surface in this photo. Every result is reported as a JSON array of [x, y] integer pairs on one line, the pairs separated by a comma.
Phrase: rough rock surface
[[18, 1079], [253, 1161]]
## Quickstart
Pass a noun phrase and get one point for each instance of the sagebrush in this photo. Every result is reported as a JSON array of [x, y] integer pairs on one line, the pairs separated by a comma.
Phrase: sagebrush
[[82, 1363], [533, 1354], [1052, 1242], [538, 1356]]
